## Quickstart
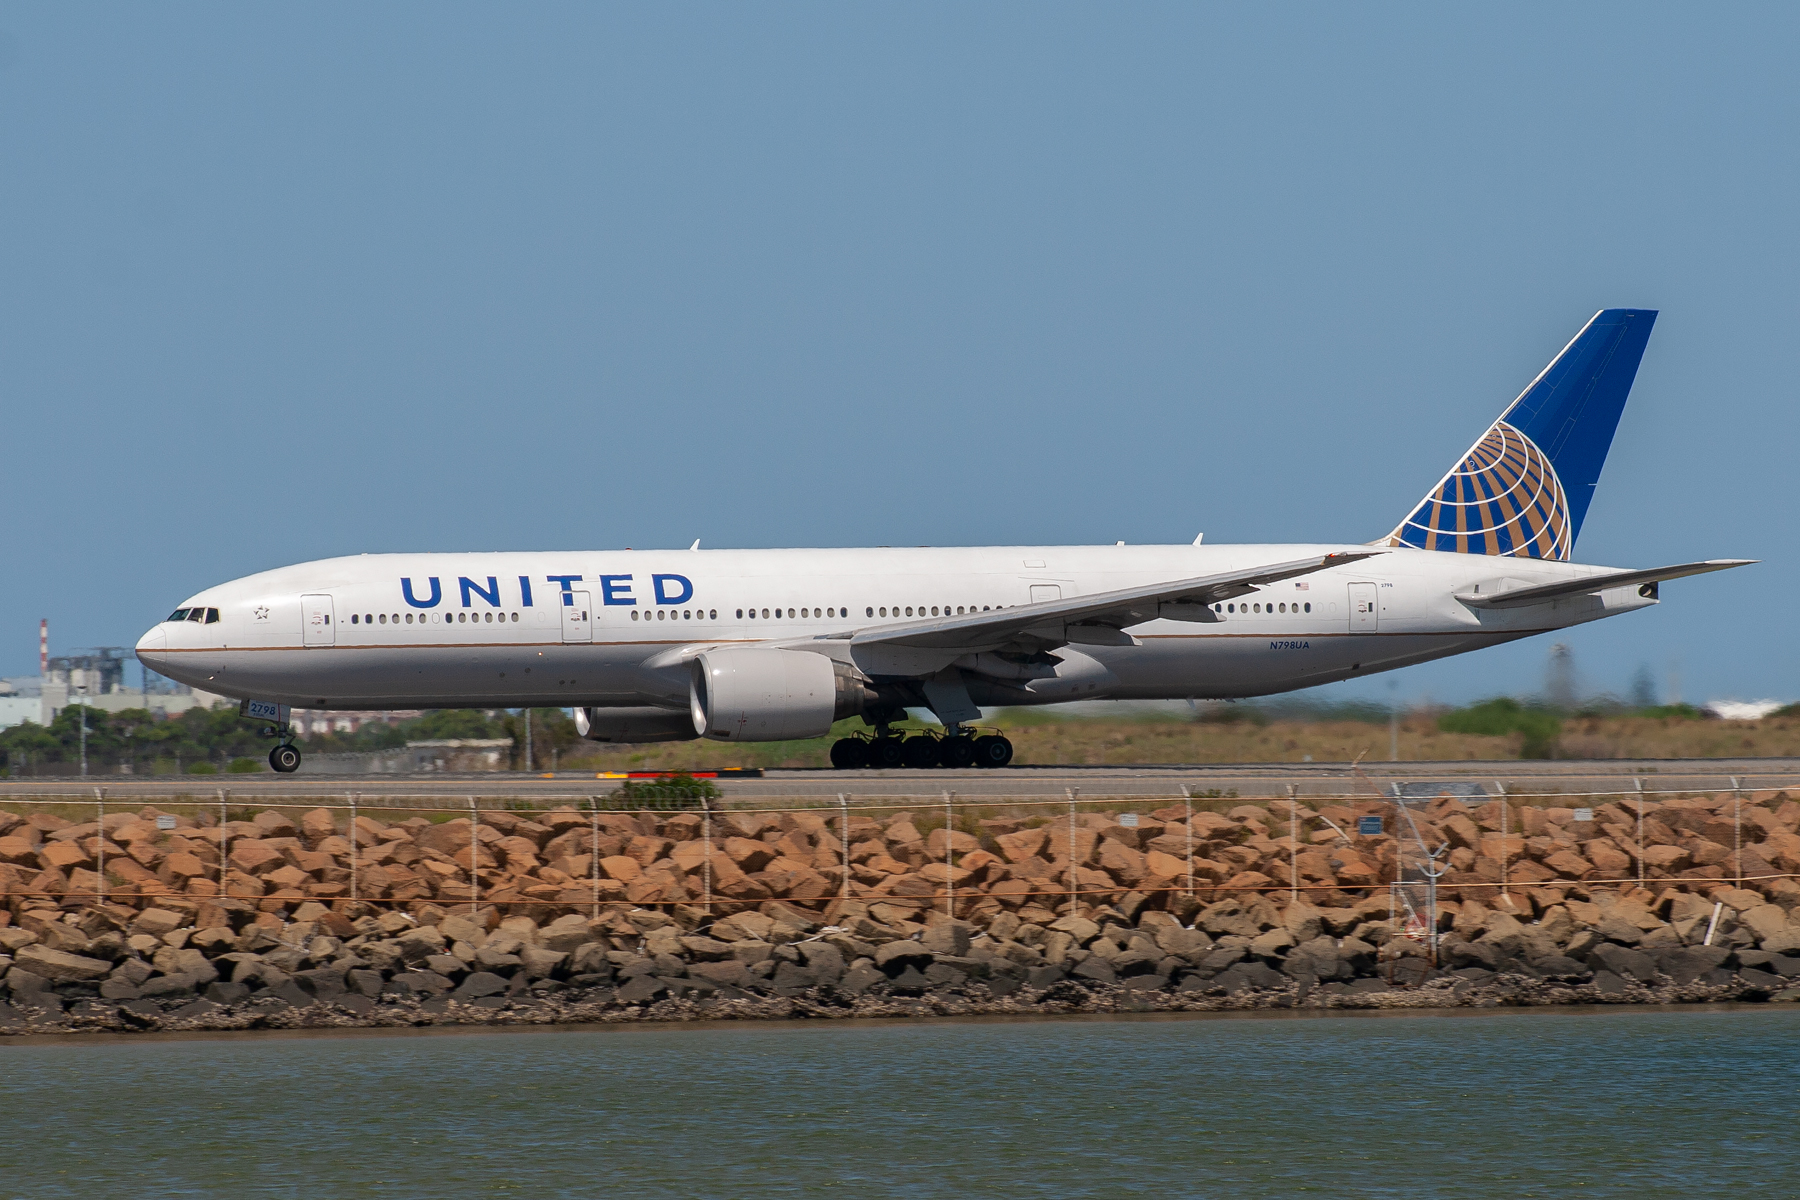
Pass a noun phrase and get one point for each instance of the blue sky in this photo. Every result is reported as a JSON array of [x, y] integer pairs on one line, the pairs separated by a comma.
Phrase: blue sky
[[277, 284]]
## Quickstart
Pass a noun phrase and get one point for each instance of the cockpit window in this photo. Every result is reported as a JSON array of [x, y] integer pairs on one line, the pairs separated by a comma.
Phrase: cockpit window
[[212, 616], [179, 614], [196, 614]]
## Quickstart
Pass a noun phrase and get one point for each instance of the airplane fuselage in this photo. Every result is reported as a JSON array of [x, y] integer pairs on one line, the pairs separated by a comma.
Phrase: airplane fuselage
[[616, 629]]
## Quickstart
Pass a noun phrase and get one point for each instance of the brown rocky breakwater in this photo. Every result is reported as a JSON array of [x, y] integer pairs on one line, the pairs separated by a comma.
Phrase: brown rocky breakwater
[[612, 916]]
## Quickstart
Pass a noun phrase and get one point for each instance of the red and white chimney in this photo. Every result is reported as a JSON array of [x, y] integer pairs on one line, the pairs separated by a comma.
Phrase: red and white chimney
[[44, 646]]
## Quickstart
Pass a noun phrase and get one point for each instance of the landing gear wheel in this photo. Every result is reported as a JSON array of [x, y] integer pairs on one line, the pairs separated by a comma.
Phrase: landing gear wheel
[[887, 752], [992, 751], [847, 754], [957, 753], [284, 759], [921, 752]]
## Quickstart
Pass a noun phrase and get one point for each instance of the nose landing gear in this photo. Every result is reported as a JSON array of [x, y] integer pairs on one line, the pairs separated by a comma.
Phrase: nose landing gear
[[285, 757]]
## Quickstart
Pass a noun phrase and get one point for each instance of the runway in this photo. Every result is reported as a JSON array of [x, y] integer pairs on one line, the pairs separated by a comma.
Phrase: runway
[[813, 786]]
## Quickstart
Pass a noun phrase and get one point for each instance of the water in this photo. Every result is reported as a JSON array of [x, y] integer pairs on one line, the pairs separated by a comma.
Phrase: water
[[1514, 1104]]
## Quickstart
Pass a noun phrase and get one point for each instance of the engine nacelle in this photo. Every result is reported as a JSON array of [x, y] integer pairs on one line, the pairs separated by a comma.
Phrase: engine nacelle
[[768, 695], [634, 725]]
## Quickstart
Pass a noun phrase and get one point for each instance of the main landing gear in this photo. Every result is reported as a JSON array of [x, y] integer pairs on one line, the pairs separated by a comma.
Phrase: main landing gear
[[958, 749]]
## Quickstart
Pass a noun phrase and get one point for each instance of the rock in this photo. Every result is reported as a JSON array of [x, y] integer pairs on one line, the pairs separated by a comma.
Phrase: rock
[[1095, 968], [220, 992], [322, 982], [480, 983], [1557, 966], [157, 922], [1614, 929], [1761, 981], [1686, 964], [1623, 962], [58, 966], [641, 989], [893, 957], [946, 937], [416, 945], [705, 949], [1272, 944], [168, 985], [447, 965], [725, 973], [1080, 929], [827, 962], [540, 962], [861, 976]]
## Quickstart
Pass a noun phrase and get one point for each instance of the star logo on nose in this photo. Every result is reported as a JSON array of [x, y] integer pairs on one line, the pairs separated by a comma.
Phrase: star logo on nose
[[261, 612]]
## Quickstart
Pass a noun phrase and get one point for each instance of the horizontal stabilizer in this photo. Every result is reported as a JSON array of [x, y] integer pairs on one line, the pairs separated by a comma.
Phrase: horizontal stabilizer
[[1587, 586]]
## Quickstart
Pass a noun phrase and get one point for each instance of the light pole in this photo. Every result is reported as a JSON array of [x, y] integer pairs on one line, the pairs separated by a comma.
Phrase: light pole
[[81, 699]]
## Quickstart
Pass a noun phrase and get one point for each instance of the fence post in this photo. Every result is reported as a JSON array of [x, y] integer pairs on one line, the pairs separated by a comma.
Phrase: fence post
[[100, 841], [353, 894], [474, 857], [594, 849], [1737, 827], [1073, 906], [1505, 893], [221, 842], [1187, 795], [949, 859], [844, 830], [1293, 845], [706, 866], [1639, 784]]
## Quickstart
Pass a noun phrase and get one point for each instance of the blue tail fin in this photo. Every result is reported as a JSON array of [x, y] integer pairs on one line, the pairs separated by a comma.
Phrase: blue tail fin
[[1524, 488]]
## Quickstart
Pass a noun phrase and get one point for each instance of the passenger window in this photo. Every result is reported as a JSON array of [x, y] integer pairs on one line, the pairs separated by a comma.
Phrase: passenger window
[[353, 619], [712, 614], [1309, 607], [409, 618]]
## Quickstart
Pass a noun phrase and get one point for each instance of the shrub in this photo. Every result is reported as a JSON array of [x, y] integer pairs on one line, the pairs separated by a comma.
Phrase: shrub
[[678, 789], [243, 766], [1503, 716], [202, 768]]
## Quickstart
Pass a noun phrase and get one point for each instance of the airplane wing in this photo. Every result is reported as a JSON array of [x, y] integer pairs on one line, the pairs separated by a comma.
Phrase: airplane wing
[[1542, 594], [1097, 619]]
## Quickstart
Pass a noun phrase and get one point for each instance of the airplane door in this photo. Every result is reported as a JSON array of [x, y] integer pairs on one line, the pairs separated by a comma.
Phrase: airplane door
[[1041, 592], [1364, 616], [316, 621], [577, 618]]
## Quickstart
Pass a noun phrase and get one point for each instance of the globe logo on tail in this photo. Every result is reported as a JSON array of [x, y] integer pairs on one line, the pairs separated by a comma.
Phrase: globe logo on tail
[[1503, 498]]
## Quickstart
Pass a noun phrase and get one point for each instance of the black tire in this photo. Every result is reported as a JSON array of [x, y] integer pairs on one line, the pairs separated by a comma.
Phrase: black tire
[[887, 752], [847, 754], [284, 759], [992, 751], [921, 752], [957, 753]]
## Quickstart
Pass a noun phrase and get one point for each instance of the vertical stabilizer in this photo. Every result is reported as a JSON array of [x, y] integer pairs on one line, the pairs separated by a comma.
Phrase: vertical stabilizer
[[1524, 488]]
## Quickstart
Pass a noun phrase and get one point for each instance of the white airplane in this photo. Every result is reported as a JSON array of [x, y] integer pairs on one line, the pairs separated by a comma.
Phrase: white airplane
[[763, 645]]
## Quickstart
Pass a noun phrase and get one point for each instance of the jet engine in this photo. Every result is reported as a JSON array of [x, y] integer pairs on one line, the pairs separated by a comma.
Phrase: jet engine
[[768, 695], [633, 725]]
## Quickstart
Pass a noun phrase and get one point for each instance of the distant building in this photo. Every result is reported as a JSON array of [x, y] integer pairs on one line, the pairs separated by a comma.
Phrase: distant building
[[312, 722], [96, 679]]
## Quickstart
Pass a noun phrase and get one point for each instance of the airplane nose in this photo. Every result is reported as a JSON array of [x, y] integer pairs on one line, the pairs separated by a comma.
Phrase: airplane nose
[[151, 642]]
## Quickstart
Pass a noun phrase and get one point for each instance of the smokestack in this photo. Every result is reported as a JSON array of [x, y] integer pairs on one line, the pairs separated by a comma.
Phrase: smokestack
[[44, 646]]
